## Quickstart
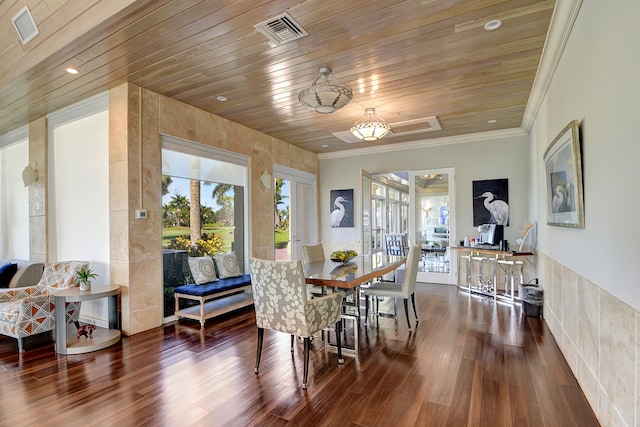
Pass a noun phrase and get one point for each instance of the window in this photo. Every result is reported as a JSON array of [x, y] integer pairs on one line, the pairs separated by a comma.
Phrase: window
[[212, 182]]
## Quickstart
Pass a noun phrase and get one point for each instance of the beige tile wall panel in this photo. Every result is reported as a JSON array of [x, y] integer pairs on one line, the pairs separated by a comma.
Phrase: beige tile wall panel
[[136, 258]]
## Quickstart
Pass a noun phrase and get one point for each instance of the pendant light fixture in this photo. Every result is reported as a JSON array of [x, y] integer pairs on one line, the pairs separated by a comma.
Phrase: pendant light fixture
[[370, 127], [324, 97]]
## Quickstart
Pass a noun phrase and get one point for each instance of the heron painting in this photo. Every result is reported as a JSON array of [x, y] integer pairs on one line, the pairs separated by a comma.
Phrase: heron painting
[[563, 165], [341, 210], [491, 202]]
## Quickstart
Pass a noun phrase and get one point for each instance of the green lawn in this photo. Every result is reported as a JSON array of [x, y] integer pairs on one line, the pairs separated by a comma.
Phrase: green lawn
[[226, 233], [282, 238]]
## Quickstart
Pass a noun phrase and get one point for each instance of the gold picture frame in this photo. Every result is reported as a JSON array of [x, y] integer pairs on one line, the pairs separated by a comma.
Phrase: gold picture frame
[[563, 165]]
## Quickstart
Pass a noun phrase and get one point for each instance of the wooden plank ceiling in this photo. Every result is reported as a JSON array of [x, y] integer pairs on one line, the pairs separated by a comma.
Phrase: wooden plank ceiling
[[407, 59]]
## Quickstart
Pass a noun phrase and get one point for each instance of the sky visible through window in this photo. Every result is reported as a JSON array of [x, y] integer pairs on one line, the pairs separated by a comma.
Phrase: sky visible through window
[[181, 186]]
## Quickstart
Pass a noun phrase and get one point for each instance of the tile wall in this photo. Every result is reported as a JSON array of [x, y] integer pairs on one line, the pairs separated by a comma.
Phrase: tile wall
[[598, 335], [135, 142]]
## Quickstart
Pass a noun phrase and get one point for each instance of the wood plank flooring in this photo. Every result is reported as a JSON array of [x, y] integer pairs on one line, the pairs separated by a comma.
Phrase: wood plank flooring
[[469, 362]]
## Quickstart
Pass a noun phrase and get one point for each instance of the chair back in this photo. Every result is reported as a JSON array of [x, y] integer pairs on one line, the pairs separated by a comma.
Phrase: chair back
[[60, 275], [313, 253], [396, 244], [279, 295], [411, 270]]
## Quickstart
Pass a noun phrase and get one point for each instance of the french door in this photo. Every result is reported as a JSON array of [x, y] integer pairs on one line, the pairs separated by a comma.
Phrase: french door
[[432, 223], [295, 212]]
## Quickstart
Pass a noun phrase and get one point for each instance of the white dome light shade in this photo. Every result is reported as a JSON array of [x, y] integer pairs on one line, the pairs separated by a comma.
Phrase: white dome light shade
[[323, 97], [370, 127]]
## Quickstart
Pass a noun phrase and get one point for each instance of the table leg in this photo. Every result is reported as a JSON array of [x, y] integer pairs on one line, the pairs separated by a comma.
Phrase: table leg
[[61, 325]]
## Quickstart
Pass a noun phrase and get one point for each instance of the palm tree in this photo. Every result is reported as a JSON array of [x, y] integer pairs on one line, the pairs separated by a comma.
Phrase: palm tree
[[177, 208], [195, 226], [166, 182], [219, 192], [278, 199]]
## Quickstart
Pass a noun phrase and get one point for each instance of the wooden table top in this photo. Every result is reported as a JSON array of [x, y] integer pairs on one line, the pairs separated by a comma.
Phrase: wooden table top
[[357, 271]]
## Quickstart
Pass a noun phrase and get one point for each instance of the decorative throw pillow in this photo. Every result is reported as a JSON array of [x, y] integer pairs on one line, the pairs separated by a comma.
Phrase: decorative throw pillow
[[202, 269], [6, 274], [227, 265]]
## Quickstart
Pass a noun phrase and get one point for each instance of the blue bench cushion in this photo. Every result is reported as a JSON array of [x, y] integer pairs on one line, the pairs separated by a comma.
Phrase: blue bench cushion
[[214, 287]]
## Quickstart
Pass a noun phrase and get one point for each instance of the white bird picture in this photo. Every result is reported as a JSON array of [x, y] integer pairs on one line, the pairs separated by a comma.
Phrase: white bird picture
[[499, 209], [558, 198], [561, 200], [337, 215]]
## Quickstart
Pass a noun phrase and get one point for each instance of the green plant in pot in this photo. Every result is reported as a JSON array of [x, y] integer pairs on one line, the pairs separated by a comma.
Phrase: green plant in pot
[[84, 276]]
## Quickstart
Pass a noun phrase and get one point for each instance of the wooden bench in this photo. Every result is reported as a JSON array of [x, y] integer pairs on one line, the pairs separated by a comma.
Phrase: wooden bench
[[215, 298]]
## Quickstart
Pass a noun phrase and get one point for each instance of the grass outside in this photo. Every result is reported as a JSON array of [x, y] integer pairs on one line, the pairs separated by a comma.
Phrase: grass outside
[[226, 233], [281, 238]]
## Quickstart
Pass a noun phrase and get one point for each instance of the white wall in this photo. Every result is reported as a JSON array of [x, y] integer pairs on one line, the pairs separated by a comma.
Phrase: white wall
[[79, 197], [14, 201], [485, 158], [597, 82], [591, 275]]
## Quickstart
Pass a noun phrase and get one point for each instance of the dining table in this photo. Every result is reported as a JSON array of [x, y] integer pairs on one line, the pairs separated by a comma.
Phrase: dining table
[[352, 274], [348, 276]]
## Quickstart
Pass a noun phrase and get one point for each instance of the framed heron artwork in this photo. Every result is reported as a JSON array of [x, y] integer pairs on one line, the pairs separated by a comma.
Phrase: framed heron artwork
[[341, 209], [491, 202], [563, 165]]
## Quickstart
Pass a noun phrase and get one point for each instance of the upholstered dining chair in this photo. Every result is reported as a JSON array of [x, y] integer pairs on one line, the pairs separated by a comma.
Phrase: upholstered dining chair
[[30, 310], [402, 290], [281, 304], [313, 253]]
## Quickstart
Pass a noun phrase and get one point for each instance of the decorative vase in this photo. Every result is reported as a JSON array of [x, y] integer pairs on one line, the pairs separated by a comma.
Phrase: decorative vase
[[85, 286]]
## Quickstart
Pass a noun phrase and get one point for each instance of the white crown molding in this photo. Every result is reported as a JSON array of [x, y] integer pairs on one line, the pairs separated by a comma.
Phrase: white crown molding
[[79, 110], [564, 16], [449, 140], [14, 136]]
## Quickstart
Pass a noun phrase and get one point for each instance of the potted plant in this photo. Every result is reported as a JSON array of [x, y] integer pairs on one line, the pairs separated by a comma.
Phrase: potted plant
[[85, 275]]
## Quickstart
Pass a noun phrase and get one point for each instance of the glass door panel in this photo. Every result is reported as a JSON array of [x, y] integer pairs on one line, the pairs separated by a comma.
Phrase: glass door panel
[[432, 229], [294, 212]]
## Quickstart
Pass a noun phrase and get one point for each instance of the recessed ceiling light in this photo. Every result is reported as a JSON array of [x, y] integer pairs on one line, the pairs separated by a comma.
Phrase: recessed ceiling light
[[325, 146], [494, 24], [222, 98], [492, 121], [72, 70]]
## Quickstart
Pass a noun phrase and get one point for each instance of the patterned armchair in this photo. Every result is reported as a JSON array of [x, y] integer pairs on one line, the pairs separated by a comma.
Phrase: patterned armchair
[[280, 299], [30, 310]]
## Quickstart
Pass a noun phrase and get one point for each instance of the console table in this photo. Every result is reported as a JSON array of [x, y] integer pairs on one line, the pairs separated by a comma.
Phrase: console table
[[489, 286], [66, 339]]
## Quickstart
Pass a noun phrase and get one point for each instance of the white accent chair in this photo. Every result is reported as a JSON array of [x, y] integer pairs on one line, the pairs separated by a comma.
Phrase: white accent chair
[[402, 290], [30, 310]]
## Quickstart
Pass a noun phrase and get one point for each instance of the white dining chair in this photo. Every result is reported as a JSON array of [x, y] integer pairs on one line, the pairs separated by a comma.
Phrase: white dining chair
[[403, 290]]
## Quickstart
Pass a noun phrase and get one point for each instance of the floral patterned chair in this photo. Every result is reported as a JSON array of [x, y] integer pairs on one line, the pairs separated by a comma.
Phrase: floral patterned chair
[[30, 310], [280, 299]]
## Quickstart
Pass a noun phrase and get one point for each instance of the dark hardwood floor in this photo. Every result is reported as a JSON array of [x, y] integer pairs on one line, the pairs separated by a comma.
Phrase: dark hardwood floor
[[469, 362]]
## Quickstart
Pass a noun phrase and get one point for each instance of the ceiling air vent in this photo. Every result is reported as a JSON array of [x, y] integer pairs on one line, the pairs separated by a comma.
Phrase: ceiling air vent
[[280, 29], [409, 127], [24, 25]]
